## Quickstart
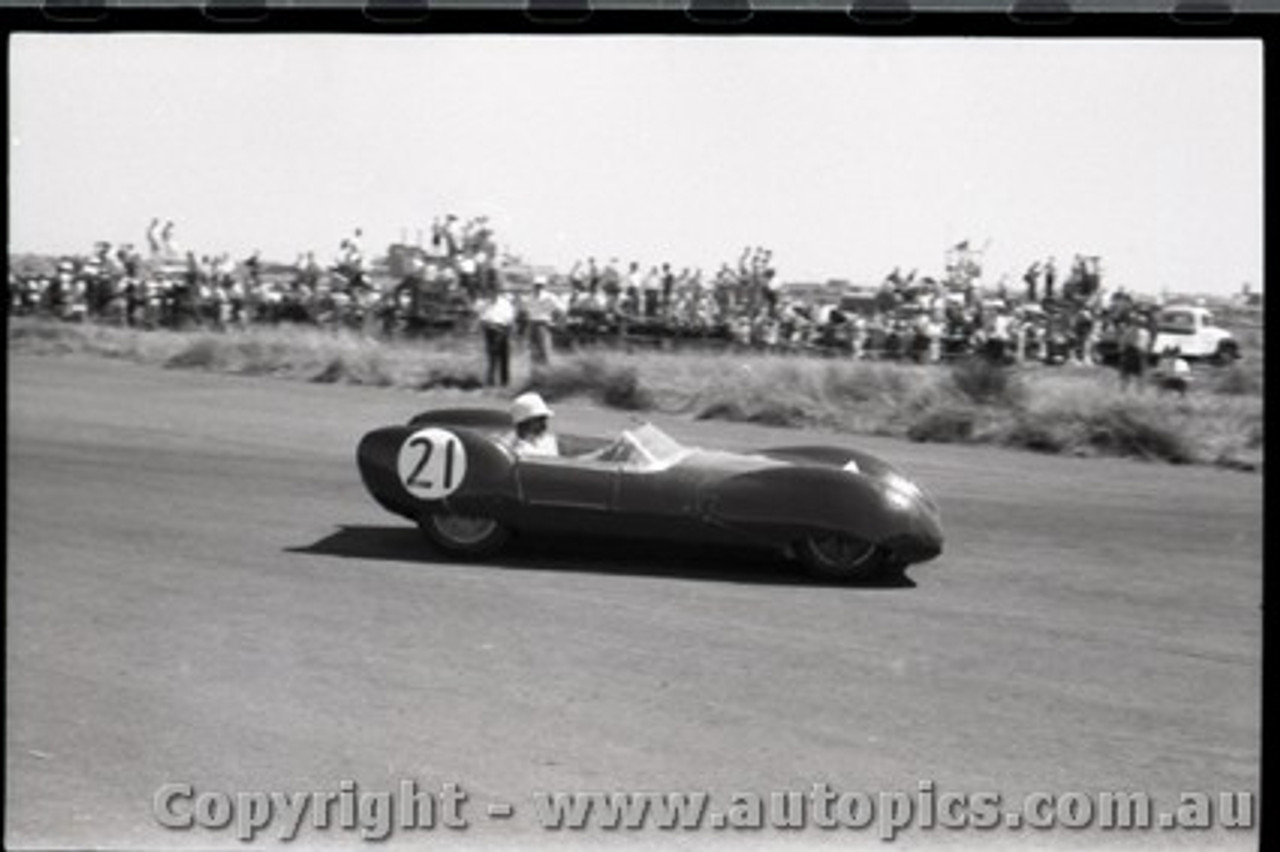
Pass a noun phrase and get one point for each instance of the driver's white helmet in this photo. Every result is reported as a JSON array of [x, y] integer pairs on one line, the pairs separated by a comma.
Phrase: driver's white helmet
[[527, 406]]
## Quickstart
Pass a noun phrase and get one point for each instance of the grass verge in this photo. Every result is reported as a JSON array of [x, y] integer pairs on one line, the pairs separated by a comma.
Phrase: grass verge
[[1067, 410]]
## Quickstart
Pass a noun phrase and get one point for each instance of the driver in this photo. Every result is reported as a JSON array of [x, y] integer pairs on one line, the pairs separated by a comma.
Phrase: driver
[[530, 414]]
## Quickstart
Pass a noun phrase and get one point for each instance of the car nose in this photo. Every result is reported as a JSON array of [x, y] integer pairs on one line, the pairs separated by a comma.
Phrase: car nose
[[920, 543]]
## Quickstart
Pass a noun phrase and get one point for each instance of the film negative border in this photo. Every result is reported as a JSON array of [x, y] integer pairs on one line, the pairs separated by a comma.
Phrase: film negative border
[[886, 11]]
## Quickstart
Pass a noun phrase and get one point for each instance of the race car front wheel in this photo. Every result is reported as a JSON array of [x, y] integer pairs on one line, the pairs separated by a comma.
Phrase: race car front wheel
[[841, 557], [464, 535]]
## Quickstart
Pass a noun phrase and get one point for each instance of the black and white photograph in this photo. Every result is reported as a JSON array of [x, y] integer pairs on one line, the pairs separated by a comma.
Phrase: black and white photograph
[[616, 440]]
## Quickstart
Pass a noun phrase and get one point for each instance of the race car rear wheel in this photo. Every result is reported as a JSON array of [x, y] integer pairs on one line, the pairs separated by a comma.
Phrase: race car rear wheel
[[464, 535], [840, 557]]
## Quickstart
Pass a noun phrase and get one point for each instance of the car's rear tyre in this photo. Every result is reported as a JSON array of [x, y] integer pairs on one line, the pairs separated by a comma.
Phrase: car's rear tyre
[[464, 535], [840, 557], [1226, 354]]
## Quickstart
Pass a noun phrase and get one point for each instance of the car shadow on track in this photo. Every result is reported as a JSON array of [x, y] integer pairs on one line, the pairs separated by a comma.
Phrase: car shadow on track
[[641, 559]]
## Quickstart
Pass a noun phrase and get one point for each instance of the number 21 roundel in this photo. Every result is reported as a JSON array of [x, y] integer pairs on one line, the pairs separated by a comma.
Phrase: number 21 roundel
[[432, 463]]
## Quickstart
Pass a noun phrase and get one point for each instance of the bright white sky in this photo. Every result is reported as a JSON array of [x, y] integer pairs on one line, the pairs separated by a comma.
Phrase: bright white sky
[[846, 156]]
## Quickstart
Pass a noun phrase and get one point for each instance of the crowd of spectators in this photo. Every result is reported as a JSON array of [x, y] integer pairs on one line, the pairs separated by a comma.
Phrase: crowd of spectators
[[451, 281], [172, 288], [912, 317]]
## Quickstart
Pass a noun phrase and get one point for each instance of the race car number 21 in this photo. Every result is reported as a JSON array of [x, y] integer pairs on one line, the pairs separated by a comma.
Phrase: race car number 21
[[432, 463]]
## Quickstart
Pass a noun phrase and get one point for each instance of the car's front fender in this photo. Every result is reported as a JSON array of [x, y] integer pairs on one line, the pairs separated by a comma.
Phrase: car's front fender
[[787, 503]]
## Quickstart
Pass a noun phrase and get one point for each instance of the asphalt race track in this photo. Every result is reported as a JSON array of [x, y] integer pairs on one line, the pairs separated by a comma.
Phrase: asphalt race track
[[200, 591]]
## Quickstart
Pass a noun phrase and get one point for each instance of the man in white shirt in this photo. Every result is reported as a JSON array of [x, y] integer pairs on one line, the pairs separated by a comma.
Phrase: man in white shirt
[[651, 285], [467, 270], [541, 310], [497, 315]]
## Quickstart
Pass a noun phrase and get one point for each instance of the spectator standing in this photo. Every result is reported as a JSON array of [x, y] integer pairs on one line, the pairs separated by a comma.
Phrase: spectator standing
[[130, 261], [168, 244], [772, 290], [998, 336], [437, 236], [886, 301], [1083, 337], [633, 283], [652, 286], [858, 335], [1135, 343], [355, 260], [154, 240], [467, 273], [1050, 278], [611, 284], [497, 315], [491, 276], [934, 327], [541, 310], [253, 268], [1032, 279], [724, 291], [453, 232], [483, 236], [577, 285]]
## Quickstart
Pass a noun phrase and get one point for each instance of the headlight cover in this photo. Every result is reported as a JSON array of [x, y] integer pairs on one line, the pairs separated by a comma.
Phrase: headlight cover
[[900, 491]]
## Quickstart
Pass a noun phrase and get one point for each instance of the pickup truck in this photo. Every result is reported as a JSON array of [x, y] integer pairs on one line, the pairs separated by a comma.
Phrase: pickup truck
[[1190, 331]]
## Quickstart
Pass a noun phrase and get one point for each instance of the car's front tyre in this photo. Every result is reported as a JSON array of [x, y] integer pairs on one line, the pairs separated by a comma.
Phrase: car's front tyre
[[832, 556], [464, 535]]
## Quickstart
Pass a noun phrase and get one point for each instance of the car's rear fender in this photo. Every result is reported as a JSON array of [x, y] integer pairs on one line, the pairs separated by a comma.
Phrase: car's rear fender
[[487, 485], [479, 419]]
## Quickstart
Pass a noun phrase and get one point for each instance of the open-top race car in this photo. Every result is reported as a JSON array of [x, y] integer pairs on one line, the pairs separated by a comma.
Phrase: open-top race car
[[843, 513]]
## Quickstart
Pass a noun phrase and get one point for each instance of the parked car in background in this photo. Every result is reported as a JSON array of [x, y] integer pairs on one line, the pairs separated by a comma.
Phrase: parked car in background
[[1190, 331]]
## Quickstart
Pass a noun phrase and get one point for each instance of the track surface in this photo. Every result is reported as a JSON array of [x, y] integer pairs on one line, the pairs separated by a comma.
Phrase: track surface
[[199, 590]]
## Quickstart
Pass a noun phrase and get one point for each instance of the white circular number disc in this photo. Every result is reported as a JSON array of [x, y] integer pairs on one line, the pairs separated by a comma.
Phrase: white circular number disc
[[432, 463]]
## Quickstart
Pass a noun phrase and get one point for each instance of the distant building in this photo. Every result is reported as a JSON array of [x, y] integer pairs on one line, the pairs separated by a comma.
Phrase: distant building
[[519, 277], [828, 292], [805, 291]]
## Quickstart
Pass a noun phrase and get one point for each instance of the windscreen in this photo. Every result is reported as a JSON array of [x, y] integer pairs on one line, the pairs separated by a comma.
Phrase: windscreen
[[660, 447]]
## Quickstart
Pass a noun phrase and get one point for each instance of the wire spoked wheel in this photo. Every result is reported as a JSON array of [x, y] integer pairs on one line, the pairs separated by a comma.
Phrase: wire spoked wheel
[[834, 556], [464, 535]]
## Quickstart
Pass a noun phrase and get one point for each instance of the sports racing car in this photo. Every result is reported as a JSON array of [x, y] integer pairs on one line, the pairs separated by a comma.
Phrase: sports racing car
[[843, 513]]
